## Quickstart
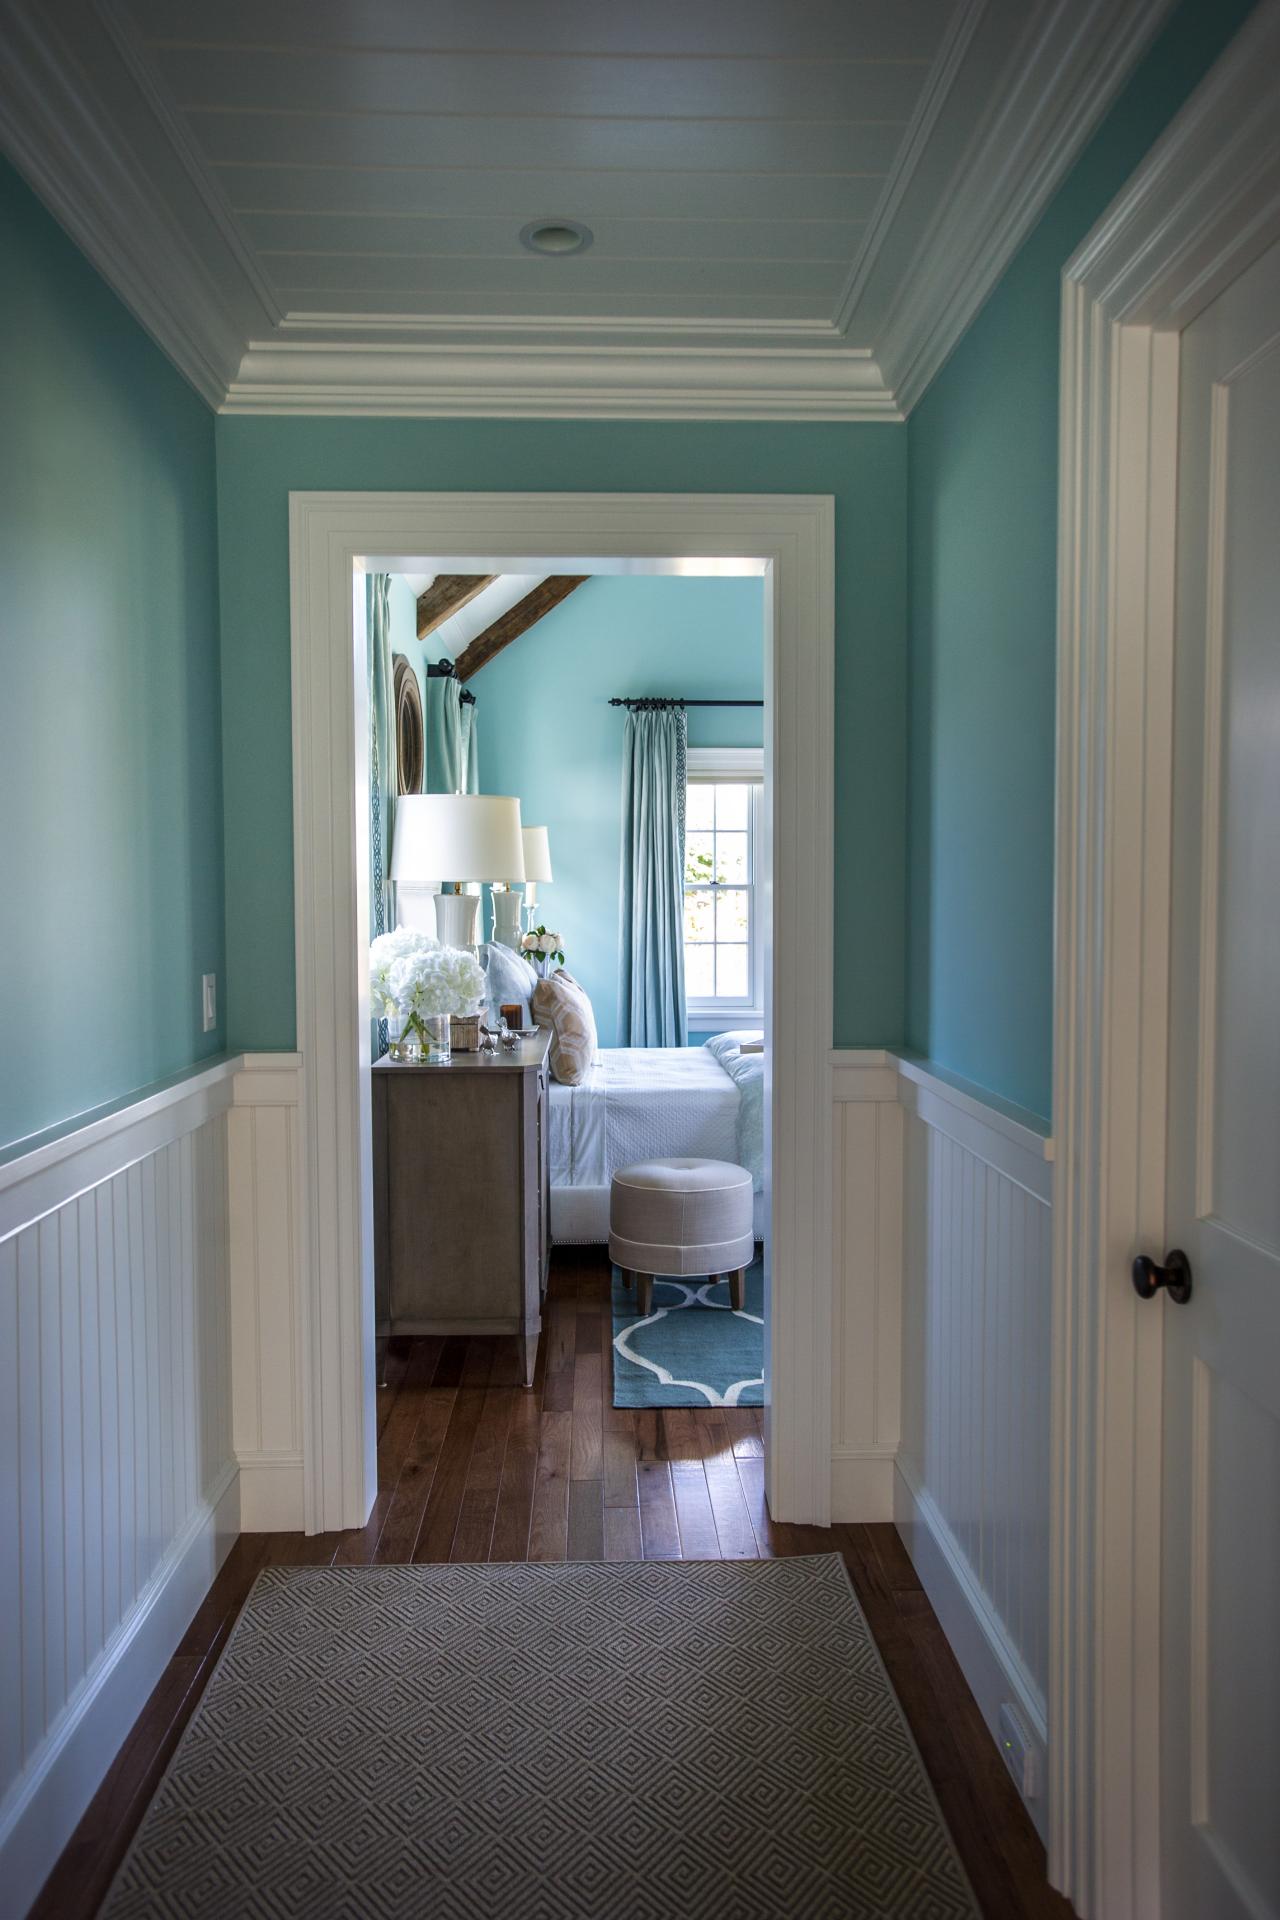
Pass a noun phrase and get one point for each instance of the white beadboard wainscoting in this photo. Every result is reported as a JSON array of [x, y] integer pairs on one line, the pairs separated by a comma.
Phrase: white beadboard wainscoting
[[150, 1406], [940, 1360], [119, 1494], [972, 1474]]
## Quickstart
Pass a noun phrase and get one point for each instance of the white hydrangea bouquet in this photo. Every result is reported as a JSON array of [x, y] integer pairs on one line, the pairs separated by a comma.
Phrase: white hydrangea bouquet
[[412, 976]]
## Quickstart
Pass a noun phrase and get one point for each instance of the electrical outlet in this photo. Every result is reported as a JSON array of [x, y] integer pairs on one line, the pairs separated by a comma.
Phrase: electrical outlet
[[1018, 1749], [209, 1001]]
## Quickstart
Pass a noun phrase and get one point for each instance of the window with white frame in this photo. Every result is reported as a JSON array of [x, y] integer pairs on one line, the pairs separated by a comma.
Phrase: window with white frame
[[723, 945]]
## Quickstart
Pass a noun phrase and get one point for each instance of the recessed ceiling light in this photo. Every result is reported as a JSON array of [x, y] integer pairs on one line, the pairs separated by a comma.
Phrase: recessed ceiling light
[[556, 236]]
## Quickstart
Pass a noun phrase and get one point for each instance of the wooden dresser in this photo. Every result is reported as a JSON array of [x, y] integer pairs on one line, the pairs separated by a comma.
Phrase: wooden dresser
[[461, 1195]]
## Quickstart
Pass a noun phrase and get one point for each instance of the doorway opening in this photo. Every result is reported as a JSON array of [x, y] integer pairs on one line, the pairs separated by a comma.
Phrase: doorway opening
[[609, 727]]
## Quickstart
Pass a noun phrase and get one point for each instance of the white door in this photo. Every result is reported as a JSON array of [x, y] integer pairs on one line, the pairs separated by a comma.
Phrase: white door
[[1220, 1744]]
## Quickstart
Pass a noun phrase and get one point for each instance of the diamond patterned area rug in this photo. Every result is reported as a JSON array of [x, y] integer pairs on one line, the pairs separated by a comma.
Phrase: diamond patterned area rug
[[708, 1740], [692, 1350]]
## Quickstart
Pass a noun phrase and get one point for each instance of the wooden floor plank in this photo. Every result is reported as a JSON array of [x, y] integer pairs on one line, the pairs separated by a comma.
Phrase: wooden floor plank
[[734, 1530], [620, 1464], [413, 1488], [622, 1539], [659, 1531], [549, 1527], [586, 1521], [448, 1483], [359, 1547], [587, 1414], [744, 1431], [401, 1421], [562, 1334], [514, 1511], [474, 1532], [679, 1438], [694, 1518]]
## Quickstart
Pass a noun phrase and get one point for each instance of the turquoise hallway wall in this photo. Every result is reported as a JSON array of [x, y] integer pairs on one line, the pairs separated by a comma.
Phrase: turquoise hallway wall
[[864, 467], [111, 857], [983, 504], [548, 734]]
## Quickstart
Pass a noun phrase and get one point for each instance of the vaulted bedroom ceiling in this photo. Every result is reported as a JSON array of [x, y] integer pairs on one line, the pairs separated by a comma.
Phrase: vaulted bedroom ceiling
[[759, 208]]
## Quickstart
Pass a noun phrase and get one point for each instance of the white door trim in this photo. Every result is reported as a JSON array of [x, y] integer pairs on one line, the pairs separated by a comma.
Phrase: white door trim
[[792, 538], [1200, 209]]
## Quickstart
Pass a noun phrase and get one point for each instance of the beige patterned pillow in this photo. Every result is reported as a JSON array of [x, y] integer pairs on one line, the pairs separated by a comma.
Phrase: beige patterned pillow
[[561, 1004]]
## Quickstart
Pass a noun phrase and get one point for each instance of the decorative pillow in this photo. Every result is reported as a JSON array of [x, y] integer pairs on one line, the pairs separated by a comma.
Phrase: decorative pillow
[[560, 1003], [508, 976]]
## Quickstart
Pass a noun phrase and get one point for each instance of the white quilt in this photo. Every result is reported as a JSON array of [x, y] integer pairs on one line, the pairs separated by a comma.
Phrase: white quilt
[[637, 1103]]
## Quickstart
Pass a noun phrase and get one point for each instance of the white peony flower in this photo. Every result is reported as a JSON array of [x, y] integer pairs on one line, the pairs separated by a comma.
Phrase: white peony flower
[[546, 944]]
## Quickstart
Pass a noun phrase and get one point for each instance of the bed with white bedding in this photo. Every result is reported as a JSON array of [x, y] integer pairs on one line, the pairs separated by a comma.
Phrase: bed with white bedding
[[647, 1103]]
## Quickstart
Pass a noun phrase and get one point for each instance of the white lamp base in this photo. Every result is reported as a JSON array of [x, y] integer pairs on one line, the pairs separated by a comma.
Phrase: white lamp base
[[506, 917], [456, 919]]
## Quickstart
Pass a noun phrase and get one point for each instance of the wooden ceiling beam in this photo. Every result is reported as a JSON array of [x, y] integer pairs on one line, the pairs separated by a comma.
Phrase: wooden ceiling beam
[[516, 620], [448, 592]]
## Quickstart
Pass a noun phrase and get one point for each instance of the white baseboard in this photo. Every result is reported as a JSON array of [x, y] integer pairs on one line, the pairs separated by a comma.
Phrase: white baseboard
[[271, 1493], [988, 1659], [52, 1794], [862, 1484]]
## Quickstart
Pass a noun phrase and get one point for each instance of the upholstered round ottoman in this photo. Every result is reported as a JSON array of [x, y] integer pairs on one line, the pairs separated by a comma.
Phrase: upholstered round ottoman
[[679, 1217]]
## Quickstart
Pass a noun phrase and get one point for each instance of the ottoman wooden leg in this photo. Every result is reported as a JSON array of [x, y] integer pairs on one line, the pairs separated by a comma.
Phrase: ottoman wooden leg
[[738, 1289], [646, 1292]]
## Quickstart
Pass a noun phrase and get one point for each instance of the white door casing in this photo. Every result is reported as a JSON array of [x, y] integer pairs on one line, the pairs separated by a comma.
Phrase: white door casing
[[333, 536], [1200, 210], [1221, 1550]]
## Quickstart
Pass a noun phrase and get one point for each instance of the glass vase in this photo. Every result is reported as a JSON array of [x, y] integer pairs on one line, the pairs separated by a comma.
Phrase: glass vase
[[439, 1048]]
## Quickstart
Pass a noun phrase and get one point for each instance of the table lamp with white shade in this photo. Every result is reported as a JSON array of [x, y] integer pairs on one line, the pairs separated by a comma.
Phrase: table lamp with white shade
[[444, 839], [508, 906], [537, 861]]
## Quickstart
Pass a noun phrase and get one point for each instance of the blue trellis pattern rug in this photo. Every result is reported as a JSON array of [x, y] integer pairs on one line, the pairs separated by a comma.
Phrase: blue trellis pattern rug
[[692, 1349]]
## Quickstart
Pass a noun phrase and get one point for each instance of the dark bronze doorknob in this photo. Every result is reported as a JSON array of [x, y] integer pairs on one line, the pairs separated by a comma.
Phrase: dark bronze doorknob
[[1174, 1276]]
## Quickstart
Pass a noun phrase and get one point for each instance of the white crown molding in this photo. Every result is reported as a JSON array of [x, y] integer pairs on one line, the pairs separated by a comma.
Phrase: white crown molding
[[942, 77], [150, 86], [1055, 92], [600, 383], [52, 131]]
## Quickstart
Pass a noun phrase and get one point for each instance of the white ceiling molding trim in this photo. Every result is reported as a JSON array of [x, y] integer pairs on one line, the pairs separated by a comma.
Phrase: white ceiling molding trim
[[573, 384], [1054, 94], [936, 93], [55, 136]]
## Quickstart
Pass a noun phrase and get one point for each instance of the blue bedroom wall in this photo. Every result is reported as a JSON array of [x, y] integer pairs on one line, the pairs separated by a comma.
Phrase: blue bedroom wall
[[983, 502], [862, 466], [111, 867], [548, 734]]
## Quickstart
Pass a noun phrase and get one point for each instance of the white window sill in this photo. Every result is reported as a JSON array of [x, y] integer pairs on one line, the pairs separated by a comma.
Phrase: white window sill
[[721, 1019]]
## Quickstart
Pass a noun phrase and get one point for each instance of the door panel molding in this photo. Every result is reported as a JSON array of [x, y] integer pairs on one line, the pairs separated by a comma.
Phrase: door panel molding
[[1204, 204]]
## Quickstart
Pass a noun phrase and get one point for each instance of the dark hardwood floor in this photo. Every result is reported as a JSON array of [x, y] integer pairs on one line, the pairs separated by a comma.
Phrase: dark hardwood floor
[[473, 1467]]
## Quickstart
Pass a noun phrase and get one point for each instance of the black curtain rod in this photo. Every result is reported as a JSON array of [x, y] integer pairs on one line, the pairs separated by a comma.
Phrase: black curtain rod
[[445, 670], [649, 702]]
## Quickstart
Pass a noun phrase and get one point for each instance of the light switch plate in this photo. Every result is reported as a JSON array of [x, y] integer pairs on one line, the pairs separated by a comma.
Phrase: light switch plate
[[210, 1001]]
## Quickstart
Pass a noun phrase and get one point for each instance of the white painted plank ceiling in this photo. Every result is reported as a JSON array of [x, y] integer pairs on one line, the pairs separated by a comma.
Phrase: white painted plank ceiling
[[383, 159]]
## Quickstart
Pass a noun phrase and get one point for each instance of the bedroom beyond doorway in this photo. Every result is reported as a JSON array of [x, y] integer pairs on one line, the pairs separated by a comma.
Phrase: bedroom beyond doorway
[[619, 983]]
